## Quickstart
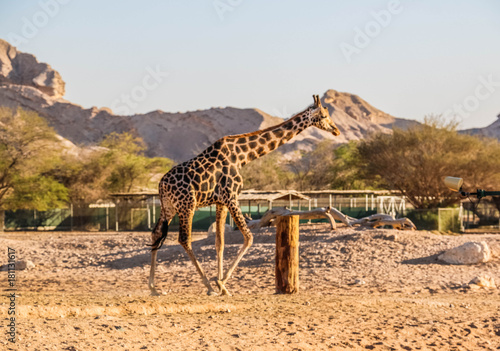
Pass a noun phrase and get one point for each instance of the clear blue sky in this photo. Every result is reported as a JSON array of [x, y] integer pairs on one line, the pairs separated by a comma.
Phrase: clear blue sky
[[408, 59]]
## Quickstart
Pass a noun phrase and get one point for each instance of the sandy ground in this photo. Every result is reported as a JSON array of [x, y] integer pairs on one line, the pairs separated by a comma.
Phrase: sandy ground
[[360, 289]]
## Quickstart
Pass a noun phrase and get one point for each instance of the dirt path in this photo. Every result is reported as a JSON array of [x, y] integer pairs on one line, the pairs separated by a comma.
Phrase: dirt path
[[375, 290]]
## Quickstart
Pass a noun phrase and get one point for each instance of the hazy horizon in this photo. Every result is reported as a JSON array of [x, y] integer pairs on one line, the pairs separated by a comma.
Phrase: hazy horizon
[[407, 58]]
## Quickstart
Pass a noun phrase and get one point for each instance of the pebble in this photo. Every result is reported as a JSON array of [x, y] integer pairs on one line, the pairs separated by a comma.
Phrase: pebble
[[24, 265]]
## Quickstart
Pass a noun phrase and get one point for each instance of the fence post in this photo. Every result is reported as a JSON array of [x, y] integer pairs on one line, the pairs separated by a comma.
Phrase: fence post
[[287, 255], [71, 216], [107, 218], [116, 216], [2, 221]]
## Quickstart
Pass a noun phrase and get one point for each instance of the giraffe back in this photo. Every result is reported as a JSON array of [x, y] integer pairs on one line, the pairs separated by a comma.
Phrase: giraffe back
[[211, 177]]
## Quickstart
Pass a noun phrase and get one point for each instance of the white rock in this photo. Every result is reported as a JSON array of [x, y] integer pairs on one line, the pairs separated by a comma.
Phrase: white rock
[[211, 229], [483, 281], [468, 253], [22, 265]]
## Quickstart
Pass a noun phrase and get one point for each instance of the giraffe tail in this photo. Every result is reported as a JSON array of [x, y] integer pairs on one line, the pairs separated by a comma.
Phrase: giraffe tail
[[159, 242]]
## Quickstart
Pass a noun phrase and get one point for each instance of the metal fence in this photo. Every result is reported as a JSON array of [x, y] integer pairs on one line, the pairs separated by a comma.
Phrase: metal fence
[[482, 216], [141, 213]]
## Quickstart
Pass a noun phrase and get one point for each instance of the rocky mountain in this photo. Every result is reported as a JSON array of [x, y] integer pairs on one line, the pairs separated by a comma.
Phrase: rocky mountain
[[491, 131], [26, 83], [23, 69]]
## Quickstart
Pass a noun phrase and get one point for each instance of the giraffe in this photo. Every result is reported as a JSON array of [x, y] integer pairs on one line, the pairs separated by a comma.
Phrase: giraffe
[[213, 177]]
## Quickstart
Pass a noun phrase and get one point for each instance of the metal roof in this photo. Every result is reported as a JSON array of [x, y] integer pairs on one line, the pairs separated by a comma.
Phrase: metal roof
[[254, 195], [351, 192], [141, 193]]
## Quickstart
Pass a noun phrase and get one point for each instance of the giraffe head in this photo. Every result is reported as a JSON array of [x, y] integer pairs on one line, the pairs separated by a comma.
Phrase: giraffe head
[[321, 117]]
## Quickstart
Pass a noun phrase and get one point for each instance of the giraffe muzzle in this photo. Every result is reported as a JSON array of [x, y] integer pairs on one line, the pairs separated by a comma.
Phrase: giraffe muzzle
[[335, 131]]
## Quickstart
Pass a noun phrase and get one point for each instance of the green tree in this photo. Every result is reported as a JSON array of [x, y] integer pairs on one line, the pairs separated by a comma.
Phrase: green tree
[[415, 161], [117, 165], [84, 175], [330, 166], [313, 170], [347, 171], [130, 169], [267, 173], [28, 149], [345, 168]]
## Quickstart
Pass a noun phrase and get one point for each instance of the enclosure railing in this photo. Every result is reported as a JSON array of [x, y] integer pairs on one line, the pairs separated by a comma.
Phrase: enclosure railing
[[139, 212]]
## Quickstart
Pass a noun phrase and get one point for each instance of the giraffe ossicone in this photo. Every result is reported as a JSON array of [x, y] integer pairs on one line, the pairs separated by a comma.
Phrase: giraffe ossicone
[[213, 177]]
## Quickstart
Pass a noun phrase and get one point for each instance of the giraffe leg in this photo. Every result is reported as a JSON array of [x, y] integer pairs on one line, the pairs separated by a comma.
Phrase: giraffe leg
[[152, 286], [221, 215], [185, 222], [158, 236], [248, 240]]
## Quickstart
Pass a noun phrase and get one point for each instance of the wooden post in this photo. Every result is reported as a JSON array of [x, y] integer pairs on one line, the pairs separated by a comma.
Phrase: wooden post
[[287, 255]]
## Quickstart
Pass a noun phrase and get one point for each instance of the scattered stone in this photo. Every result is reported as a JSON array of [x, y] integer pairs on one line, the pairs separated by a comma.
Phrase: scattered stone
[[483, 281], [468, 253], [359, 282], [211, 229], [24, 265], [389, 237], [345, 250], [20, 266]]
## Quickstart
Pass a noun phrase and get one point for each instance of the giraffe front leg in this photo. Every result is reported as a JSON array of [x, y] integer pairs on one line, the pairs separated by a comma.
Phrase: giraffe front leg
[[185, 222], [152, 286], [239, 219], [220, 223]]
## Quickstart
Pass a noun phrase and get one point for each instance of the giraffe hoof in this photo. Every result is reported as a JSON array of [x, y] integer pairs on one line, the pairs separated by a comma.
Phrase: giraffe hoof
[[224, 292], [222, 288], [212, 293], [154, 292]]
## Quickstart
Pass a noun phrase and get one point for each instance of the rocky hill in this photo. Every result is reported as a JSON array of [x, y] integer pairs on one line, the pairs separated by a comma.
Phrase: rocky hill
[[26, 83], [491, 131], [23, 69]]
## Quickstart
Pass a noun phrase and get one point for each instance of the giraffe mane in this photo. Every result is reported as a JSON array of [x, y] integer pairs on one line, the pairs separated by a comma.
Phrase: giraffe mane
[[268, 128]]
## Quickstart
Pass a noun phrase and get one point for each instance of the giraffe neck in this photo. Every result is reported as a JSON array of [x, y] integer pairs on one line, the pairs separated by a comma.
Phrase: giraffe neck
[[248, 147]]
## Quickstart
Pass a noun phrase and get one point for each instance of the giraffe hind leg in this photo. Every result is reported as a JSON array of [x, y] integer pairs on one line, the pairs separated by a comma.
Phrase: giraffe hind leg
[[159, 235], [185, 222], [219, 245]]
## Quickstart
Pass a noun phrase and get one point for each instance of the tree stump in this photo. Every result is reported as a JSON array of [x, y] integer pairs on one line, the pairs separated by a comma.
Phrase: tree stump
[[287, 255]]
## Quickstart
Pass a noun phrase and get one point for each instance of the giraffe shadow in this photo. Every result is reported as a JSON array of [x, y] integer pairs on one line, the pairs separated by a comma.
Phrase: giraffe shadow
[[173, 253], [142, 258]]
